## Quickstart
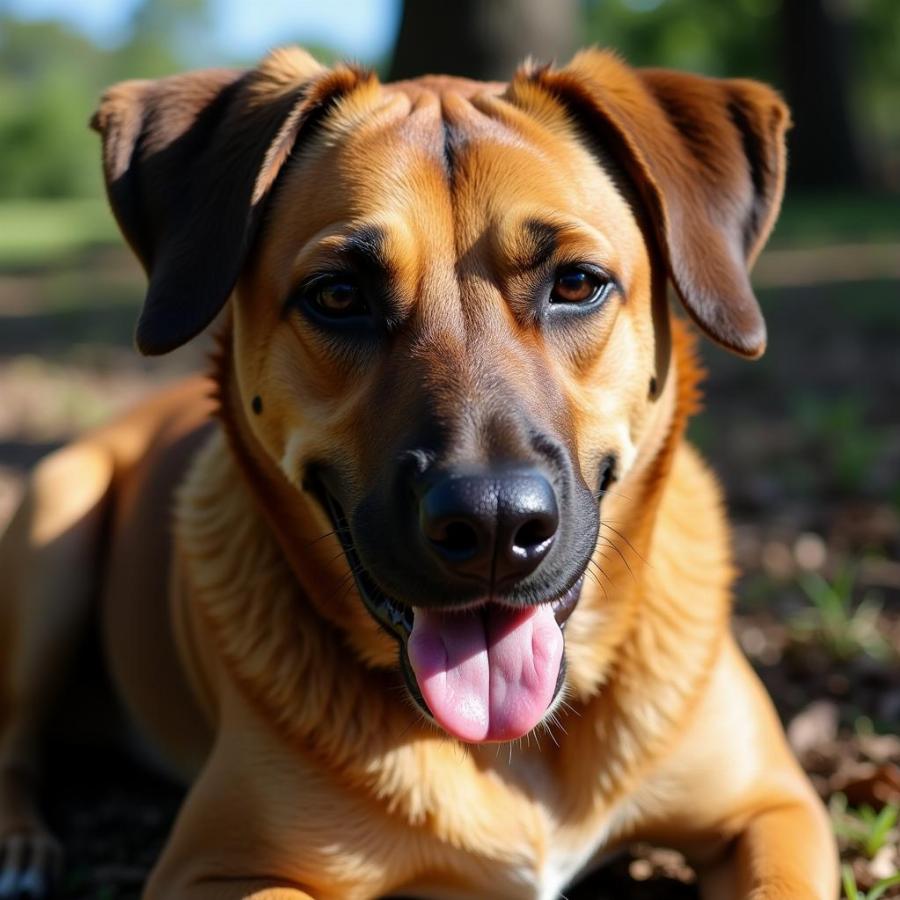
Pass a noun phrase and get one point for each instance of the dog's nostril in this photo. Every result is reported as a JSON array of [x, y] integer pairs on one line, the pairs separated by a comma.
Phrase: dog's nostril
[[458, 538], [496, 527], [533, 533]]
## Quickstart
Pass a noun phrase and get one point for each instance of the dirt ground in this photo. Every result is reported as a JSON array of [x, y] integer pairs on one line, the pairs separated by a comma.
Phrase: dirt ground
[[806, 442]]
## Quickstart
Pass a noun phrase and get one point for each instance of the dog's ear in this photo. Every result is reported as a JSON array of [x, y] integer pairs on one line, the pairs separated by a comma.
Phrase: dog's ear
[[707, 158], [189, 161]]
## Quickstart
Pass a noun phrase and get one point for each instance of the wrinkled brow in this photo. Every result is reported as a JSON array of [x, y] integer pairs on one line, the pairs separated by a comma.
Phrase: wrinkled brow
[[540, 242], [366, 247]]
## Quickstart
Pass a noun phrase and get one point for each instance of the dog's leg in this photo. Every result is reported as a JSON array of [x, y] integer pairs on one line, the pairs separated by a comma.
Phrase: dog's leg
[[48, 578], [784, 853], [739, 805]]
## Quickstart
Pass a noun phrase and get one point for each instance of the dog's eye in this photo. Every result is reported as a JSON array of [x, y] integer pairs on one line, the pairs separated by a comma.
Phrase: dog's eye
[[579, 286], [336, 297]]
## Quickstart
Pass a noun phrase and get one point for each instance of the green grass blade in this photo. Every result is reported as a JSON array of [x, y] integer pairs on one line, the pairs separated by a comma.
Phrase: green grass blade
[[882, 886], [849, 879]]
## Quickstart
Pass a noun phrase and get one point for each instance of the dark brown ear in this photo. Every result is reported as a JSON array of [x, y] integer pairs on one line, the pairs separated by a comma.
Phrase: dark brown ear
[[707, 158], [189, 162]]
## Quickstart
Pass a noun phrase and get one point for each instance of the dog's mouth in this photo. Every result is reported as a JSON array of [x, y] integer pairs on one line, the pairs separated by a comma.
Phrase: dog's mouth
[[486, 671]]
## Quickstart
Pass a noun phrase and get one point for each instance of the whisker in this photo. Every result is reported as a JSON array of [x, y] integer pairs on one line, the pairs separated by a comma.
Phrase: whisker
[[603, 556], [610, 492], [613, 546], [548, 730], [598, 568], [322, 537], [599, 583], [346, 592], [604, 593], [551, 722], [628, 542], [343, 584], [347, 582], [412, 722], [569, 708]]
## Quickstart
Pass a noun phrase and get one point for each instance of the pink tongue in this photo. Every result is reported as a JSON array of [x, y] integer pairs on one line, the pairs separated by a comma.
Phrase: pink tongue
[[488, 674]]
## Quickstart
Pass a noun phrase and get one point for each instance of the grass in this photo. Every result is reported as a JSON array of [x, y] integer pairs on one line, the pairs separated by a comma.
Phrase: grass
[[852, 892], [35, 232], [845, 629], [865, 832], [864, 829], [840, 426]]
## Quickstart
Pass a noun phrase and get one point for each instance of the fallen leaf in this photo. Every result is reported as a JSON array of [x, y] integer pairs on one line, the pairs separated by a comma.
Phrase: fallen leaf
[[814, 726], [877, 789]]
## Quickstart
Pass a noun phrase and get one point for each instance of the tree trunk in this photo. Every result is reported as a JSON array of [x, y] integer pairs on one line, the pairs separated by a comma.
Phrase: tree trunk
[[817, 37], [485, 39]]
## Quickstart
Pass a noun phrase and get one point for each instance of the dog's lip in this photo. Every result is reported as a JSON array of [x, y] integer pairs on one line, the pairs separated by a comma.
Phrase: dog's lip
[[396, 617]]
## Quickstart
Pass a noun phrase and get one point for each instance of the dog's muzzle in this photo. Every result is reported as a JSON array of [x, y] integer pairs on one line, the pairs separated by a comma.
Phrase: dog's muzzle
[[483, 670]]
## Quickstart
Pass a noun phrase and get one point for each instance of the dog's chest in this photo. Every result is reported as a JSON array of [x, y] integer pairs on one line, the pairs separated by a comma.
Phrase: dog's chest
[[567, 857], [518, 847], [541, 877]]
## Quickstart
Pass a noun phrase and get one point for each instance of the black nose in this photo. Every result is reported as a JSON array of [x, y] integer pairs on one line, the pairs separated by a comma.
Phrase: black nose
[[494, 527]]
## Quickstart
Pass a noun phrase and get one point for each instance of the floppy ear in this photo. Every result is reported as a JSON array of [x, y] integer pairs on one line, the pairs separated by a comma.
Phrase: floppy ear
[[707, 158], [189, 162]]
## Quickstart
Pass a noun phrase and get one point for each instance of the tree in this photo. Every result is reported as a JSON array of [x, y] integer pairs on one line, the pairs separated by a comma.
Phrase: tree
[[485, 39], [50, 79], [816, 52]]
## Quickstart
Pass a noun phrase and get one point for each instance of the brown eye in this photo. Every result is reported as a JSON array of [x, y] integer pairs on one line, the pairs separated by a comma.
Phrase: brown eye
[[337, 297], [578, 286]]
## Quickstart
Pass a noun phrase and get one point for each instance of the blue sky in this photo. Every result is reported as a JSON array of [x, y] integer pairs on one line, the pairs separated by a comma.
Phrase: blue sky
[[363, 29]]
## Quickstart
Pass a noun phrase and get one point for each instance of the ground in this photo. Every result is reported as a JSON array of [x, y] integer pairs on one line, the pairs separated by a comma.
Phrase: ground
[[806, 443]]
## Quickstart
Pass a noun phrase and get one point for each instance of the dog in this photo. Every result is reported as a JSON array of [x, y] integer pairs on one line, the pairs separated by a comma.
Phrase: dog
[[422, 590]]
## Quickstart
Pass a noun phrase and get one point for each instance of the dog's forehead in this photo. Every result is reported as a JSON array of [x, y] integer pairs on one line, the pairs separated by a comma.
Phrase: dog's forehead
[[452, 176], [438, 147], [443, 85]]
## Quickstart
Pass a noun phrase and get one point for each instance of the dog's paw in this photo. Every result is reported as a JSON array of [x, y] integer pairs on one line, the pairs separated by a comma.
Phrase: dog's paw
[[30, 866]]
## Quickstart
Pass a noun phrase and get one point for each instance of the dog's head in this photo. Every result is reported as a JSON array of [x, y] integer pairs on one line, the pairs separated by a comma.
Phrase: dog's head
[[450, 330]]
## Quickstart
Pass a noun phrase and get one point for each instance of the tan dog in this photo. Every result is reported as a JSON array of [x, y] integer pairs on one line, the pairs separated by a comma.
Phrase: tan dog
[[447, 504]]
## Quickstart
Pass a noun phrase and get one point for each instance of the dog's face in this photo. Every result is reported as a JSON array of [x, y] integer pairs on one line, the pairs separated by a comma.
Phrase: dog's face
[[451, 334], [448, 327]]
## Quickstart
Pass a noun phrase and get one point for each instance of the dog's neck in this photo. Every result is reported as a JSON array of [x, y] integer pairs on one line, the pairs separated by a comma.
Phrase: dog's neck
[[267, 621]]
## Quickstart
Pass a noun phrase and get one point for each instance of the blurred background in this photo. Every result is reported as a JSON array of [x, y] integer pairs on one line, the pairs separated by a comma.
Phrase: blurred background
[[806, 441]]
